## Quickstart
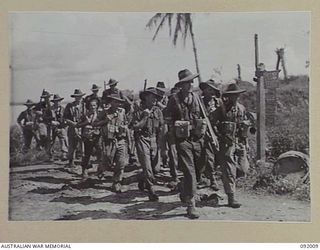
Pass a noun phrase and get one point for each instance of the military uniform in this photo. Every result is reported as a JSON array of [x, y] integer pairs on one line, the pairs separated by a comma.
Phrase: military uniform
[[147, 125], [72, 114], [26, 122], [90, 136], [115, 143], [232, 124], [59, 130], [189, 146]]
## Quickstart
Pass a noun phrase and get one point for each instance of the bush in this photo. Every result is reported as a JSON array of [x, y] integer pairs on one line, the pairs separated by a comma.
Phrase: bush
[[20, 158]]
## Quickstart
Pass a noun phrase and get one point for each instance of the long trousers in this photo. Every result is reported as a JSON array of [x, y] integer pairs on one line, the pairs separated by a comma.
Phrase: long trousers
[[232, 158], [61, 134], [190, 159], [89, 146], [27, 138], [74, 141], [115, 153], [172, 155], [147, 151]]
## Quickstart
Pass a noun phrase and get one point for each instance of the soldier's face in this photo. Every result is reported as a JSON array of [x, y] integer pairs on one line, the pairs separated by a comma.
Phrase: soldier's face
[[93, 106], [151, 99], [78, 98], [186, 86]]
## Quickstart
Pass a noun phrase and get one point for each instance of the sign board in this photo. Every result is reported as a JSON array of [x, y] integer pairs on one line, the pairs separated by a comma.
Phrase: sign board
[[271, 83]]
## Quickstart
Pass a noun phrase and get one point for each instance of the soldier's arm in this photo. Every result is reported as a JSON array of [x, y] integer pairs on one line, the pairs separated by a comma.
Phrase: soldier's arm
[[20, 119]]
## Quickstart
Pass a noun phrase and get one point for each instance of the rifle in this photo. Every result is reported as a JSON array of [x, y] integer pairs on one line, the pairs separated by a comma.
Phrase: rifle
[[145, 85], [210, 130]]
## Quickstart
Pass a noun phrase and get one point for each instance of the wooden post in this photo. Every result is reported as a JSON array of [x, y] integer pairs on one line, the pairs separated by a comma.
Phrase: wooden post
[[239, 72], [261, 106]]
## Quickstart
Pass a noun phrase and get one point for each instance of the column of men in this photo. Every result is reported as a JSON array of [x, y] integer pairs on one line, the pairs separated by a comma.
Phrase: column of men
[[168, 129]]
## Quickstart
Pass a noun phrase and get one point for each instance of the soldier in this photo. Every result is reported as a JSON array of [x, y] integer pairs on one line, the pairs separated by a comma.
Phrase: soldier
[[115, 136], [59, 126], [94, 95], [171, 144], [72, 115], [232, 123], [26, 122], [185, 113], [112, 90], [90, 135], [210, 94], [147, 123], [43, 122]]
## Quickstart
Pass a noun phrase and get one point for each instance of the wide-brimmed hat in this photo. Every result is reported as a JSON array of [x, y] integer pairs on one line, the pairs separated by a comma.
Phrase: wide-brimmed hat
[[210, 83], [112, 82], [45, 94], [185, 75], [233, 88], [77, 93], [56, 98], [95, 87], [151, 90], [29, 103], [115, 97]]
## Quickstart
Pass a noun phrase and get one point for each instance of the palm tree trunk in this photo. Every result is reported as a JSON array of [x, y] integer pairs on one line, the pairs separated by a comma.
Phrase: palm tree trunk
[[195, 52]]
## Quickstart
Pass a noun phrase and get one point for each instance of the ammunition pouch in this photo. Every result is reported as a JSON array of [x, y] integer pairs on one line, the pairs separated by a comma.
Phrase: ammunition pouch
[[228, 130], [243, 130], [182, 129], [88, 132]]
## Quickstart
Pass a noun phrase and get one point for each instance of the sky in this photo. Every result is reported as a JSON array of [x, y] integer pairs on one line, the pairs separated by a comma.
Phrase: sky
[[62, 51]]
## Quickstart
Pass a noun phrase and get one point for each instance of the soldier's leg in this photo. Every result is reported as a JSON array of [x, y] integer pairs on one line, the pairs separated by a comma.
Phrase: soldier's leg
[[27, 136], [173, 161], [144, 155], [121, 157], [187, 151], [72, 145], [88, 148], [229, 171], [186, 163], [210, 161], [155, 155], [62, 135]]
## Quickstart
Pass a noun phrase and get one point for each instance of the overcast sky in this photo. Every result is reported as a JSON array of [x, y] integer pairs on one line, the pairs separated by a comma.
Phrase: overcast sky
[[63, 51]]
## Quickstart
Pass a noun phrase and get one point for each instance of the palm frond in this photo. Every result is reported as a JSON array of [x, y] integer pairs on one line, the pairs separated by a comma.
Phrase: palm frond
[[159, 26], [177, 29], [170, 23], [154, 20], [187, 23]]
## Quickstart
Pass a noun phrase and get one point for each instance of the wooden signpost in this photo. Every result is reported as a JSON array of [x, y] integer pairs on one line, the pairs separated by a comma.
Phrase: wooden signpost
[[267, 83]]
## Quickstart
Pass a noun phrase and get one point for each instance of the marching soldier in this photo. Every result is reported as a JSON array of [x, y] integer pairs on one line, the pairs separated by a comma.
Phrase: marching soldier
[[115, 136], [111, 90], [94, 95], [232, 123], [147, 123], [185, 113], [171, 142], [26, 123], [90, 135], [72, 115], [59, 126], [210, 94], [43, 121]]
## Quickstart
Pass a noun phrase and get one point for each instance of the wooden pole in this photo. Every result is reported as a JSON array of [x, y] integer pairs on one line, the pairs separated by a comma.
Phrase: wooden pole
[[261, 107], [239, 72]]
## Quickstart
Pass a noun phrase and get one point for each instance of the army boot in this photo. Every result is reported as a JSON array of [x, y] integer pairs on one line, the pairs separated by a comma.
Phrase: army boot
[[232, 202], [152, 195], [191, 209]]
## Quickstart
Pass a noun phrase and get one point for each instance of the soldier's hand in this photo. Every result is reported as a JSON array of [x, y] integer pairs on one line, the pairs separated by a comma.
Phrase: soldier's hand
[[146, 112]]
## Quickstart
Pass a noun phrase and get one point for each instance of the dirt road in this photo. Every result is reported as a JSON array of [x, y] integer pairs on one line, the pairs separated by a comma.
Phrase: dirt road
[[51, 192]]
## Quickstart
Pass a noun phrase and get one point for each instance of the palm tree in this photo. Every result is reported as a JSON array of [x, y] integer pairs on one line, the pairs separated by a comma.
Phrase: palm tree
[[183, 27]]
